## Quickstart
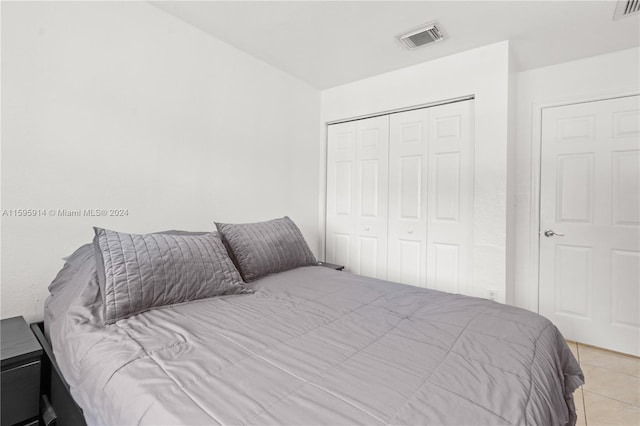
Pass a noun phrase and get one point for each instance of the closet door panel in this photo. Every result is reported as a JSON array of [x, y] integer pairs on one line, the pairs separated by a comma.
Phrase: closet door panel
[[372, 152], [407, 197], [450, 197], [357, 195], [447, 186], [341, 169], [446, 267]]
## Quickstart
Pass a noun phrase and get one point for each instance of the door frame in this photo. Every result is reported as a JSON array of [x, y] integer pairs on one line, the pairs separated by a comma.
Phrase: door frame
[[536, 163]]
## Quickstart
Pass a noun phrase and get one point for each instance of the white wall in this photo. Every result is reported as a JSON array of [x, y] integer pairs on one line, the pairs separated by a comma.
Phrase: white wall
[[590, 78], [120, 105], [483, 72]]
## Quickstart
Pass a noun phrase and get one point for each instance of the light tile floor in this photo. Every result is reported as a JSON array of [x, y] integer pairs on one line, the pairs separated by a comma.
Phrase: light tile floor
[[611, 394]]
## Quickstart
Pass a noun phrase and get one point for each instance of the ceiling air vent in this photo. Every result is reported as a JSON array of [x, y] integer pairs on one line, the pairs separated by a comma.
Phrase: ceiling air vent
[[626, 8], [428, 33]]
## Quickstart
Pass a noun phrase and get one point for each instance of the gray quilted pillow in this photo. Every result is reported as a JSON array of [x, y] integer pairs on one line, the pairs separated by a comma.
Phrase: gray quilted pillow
[[263, 248], [140, 272]]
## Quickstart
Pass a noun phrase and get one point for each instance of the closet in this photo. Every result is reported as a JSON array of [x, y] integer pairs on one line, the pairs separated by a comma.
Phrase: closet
[[400, 196]]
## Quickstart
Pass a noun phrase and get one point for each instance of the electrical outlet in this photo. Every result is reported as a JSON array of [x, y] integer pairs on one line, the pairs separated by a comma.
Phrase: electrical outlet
[[492, 294]]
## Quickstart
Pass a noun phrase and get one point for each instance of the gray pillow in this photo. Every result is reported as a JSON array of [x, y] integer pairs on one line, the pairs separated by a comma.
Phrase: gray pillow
[[140, 272], [263, 248]]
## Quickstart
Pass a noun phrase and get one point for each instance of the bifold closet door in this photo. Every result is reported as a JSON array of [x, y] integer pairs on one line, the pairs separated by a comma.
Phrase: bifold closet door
[[357, 195], [431, 196], [450, 197], [400, 196], [407, 197]]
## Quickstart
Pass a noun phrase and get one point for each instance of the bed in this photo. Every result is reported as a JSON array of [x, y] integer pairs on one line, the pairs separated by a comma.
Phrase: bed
[[308, 345]]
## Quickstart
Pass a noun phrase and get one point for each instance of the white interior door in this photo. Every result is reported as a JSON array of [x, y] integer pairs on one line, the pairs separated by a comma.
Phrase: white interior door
[[590, 222], [357, 195], [372, 181], [341, 172], [407, 197], [450, 197]]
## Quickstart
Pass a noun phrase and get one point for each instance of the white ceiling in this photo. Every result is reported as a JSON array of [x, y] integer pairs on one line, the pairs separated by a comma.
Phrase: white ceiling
[[328, 43]]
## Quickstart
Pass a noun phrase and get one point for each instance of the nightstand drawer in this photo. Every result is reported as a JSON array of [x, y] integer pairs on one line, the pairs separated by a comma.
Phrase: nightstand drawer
[[20, 393]]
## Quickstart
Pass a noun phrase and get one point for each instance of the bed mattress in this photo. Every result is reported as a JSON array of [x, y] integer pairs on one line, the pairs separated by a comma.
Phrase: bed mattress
[[312, 346]]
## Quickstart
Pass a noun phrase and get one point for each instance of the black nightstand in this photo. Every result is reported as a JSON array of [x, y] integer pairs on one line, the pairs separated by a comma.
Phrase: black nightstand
[[20, 373], [331, 265]]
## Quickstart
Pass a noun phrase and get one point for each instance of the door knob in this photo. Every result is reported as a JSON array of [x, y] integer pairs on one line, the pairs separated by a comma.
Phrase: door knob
[[410, 231], [366, 228], [551, 233]]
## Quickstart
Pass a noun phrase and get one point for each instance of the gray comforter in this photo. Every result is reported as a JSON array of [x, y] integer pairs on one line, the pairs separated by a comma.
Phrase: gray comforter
[[312, 346]]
